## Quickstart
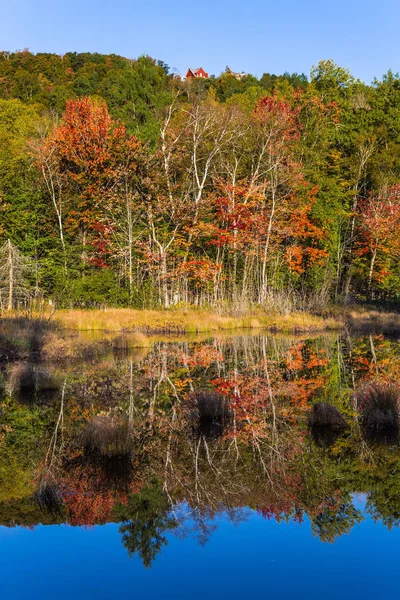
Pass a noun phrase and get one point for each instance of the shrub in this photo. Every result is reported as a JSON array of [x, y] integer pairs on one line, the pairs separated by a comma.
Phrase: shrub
[[325, 437], [212, 407], [378, 404], [326, 415], [325, 424], [211, 412], [32, 382], [100, 288], [48, 496], [108, 437]]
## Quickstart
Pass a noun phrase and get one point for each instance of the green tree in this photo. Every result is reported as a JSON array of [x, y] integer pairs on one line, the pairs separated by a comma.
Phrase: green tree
[[146, 519]]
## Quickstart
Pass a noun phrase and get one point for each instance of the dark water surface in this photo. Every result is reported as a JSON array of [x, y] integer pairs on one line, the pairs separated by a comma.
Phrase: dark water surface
[[187, 470]]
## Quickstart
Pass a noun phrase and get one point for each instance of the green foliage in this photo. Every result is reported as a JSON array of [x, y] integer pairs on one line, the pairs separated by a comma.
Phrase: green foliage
[[146, 518], [330, 524], [135, 91], [98, 289], [25, 434]]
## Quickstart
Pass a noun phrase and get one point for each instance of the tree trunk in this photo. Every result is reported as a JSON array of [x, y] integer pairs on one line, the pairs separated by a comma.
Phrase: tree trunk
[[10, 275], [371, 271], [264, 283], [164, 281], [130, 248]]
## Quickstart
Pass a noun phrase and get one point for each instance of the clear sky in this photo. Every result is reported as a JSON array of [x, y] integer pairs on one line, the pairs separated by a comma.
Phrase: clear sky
[[255, 36]]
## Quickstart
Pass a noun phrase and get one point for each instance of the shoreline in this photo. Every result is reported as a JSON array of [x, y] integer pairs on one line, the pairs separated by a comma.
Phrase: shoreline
[[177, 322], [195, 321]]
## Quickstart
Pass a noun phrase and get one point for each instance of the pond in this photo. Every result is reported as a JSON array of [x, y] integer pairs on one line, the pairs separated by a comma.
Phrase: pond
[[188, 469]]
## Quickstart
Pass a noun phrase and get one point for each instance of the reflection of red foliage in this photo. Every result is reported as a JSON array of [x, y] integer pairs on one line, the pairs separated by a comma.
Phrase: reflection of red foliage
[[288, 505], [89, 509], [251, 393], [88, 497], [202, 356]]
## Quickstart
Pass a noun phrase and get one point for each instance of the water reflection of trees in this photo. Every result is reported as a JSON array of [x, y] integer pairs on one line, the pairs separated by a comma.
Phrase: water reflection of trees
[[178, 477], [146, 517]]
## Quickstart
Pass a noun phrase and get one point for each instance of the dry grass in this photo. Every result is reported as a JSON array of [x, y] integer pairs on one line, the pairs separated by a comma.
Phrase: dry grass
[[108, 437], [89, 333], [371, 321], [61, 344], [188, 321], [379, 405]]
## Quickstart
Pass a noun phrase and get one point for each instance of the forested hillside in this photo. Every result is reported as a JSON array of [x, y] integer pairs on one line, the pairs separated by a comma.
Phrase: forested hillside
[[121, 184]]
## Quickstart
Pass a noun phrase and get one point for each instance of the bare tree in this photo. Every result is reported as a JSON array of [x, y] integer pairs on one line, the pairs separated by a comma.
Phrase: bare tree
[[45, 156], [14, 268], [191, 138]]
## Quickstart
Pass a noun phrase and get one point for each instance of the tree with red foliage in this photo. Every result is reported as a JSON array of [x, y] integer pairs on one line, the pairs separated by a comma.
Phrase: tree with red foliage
[[97, 160], [379, 223], [265, 217]]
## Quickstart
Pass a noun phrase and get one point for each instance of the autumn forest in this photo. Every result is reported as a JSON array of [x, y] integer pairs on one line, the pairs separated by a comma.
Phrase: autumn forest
[[123, 185]]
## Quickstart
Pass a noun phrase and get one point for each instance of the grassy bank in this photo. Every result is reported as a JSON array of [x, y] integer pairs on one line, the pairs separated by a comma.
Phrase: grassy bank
[[189, 321], [364, 320]]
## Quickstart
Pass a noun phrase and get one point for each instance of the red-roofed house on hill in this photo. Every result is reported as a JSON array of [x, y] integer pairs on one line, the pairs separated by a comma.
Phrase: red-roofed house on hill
[[196, 74]]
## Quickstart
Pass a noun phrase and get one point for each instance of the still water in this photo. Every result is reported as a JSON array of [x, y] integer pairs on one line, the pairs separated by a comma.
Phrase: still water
[[187, 470]]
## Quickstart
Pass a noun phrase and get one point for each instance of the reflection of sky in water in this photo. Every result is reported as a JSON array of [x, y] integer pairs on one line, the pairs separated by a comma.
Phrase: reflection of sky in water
[[254, 559], [359, 501]]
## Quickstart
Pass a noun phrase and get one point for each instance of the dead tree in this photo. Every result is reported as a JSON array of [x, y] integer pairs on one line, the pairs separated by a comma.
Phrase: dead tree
[[14, 269]]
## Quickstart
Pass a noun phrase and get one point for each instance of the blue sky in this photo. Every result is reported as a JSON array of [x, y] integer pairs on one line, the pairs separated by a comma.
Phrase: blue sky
[[255, 36]]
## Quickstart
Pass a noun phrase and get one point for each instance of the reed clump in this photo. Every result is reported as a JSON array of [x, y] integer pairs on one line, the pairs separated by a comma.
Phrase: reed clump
[[325, 424], [131, 341], [59, 346], [49, 497], [212, 406], [31, 380], [211, 413], [378, 404], [11, 348], [108, 437], [326, 415], [23, 337], [373, 321]]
